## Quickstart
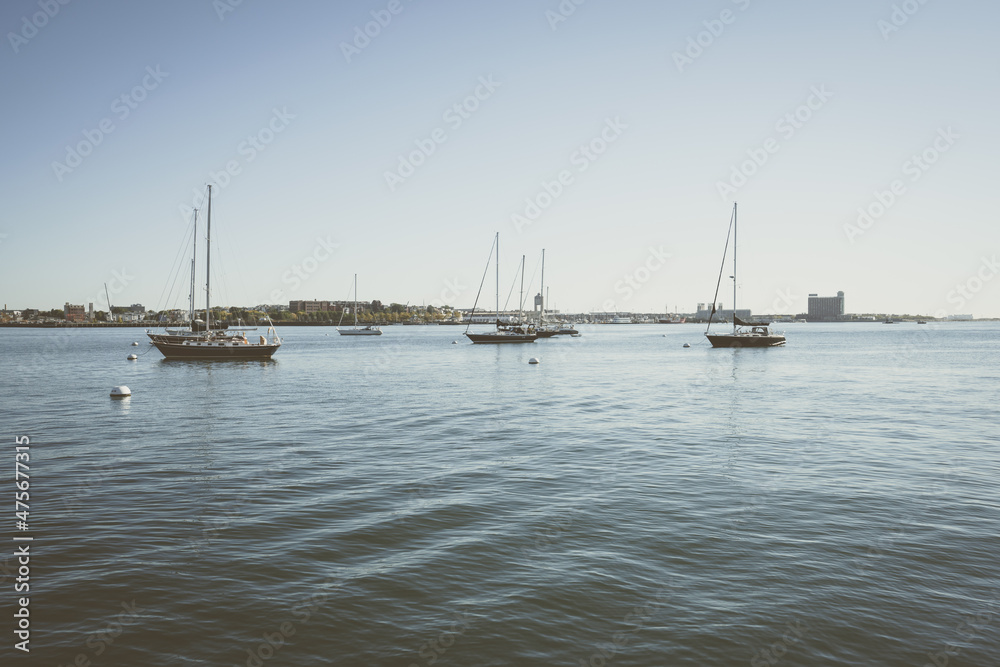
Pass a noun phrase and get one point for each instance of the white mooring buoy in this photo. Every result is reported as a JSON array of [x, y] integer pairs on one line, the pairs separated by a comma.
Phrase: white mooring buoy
[[454, 342], [135, 344], [686, 345], [121, 392], [132, 357], [534, 360]]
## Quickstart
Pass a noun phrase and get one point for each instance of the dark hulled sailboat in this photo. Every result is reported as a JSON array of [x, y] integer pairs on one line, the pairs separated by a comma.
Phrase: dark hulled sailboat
[[745, 334], [211, 343], [503, 333]]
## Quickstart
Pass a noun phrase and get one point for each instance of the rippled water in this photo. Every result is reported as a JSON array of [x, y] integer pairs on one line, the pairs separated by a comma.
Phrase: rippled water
[[405, 501]]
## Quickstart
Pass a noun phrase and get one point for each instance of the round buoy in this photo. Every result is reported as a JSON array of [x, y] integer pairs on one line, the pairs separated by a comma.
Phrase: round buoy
[[534, 360], [454, 342], [664, 335], [132, 357], [135, 344], [686, 345], [121, 392]]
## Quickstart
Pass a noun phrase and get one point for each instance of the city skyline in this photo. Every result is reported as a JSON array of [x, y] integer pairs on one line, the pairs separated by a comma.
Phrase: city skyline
[[391, 139]]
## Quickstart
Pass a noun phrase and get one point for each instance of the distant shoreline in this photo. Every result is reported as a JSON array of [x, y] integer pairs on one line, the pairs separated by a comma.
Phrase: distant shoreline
[[154, 325], [149, 325]]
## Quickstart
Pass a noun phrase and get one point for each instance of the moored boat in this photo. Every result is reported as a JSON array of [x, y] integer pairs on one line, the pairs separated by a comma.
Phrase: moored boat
[[503, 333], [369, 330], [745, 334], [209, 343]]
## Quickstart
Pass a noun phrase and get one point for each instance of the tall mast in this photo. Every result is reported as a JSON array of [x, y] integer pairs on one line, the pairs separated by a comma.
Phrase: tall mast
[[520, 304], [355, 301], [194, 256], [541, 312], [208, 266], [731, 232], [734, 267], [498, 278]]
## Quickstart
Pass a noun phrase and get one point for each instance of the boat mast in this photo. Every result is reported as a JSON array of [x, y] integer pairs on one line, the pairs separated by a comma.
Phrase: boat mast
[[541, 312], [355, 301], [194, 256], [498, 279], [520, 304], [734, 267], [722, 267], [208, 266]]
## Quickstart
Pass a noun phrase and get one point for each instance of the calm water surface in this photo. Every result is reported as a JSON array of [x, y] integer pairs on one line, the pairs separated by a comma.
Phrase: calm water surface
[[405, 501]]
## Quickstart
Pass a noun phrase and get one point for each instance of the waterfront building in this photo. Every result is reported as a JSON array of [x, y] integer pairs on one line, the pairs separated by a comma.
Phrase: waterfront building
[[75, 313], [826, 308], [312, 306]]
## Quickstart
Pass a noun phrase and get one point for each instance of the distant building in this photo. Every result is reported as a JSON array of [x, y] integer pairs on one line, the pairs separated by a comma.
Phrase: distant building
[[75, 313], [705, 311], [960, 318], [826, 308], [137, 308], [309, 306]]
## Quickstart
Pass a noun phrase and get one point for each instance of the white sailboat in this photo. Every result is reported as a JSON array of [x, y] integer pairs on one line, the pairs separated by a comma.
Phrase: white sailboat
[[358, 331]]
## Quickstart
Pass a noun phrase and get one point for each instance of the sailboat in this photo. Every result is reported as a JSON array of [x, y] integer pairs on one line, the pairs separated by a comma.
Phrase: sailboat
[[503, 333], [363, 331], [203, 342], [745, 334], [542, 299]]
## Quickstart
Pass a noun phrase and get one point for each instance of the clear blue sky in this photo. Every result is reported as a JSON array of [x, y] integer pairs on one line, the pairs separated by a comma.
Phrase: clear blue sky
[[200, 80]]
